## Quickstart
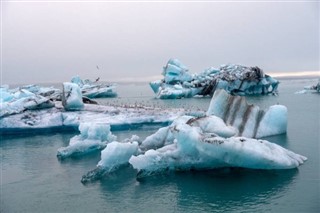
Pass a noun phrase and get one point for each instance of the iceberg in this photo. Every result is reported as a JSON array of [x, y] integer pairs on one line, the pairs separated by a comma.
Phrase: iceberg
[[235, 79], [95, 89], [193, 149], [93, 136], [71, 96], [310, 89]]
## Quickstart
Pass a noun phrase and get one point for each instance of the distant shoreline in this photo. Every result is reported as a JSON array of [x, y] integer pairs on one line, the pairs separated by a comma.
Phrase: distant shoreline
[[281, 77]]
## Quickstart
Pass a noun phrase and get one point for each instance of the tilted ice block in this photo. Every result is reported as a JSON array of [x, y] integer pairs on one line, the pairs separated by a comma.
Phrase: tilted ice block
[[250, 120], [196, 150], [23, 103], [175, 71], [71, 96], [93, 136]]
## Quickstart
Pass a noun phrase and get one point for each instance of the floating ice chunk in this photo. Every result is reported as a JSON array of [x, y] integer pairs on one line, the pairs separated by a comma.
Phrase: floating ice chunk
[[310, 89], [71, 96], [95, 89], [113, 156], [116, 154], [93, 136], [250, 120], [235, 79], [196, 150]]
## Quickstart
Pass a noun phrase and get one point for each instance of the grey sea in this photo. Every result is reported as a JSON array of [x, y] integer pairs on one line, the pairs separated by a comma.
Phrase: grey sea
[[34, 180]]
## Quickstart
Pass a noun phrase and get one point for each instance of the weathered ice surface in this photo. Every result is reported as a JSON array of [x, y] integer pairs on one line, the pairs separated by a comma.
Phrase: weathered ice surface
[[235, 79], [56, 117], [193, 149], [250, 120], [94, 89], [19, 100]]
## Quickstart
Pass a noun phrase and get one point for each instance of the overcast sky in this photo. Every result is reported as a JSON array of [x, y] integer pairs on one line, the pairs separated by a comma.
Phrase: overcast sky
[[51, 42]]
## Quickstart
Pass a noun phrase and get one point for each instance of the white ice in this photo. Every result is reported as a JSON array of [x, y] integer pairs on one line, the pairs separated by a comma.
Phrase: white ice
[[93, 136], [71, 96], [249, 120], [194, 149], [20, 101], [117, 154]]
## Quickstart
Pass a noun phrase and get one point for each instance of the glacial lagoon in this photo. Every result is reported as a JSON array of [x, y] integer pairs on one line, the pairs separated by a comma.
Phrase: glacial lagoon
[[33, 179]]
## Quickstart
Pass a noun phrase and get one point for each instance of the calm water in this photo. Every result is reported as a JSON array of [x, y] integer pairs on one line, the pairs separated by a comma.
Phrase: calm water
[[34, 180]]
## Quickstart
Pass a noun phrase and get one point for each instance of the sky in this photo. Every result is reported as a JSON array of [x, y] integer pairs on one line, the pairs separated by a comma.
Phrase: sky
[[132, 41]]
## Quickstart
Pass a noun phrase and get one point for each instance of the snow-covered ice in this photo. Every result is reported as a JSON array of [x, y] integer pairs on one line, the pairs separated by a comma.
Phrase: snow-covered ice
[[236, 79], [93, 136]]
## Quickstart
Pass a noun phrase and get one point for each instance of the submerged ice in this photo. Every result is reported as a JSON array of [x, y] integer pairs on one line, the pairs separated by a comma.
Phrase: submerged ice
[[236, 79]]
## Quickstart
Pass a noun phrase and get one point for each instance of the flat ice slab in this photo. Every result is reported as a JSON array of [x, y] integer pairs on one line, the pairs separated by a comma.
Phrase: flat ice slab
[[58, 117]]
